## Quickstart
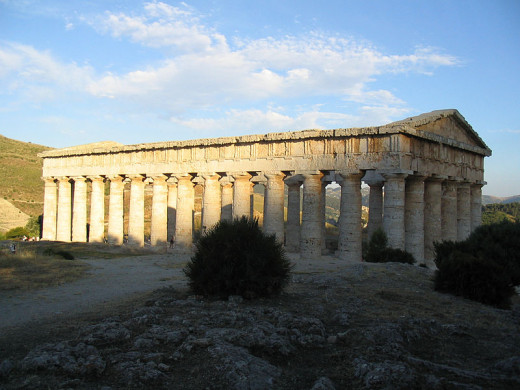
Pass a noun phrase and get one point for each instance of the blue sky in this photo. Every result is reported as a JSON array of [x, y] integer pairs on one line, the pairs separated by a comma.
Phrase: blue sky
[[75, 72]]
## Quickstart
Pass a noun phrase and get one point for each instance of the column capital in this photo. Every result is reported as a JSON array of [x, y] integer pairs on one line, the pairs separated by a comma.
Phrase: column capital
[[241, 175], [49, 179], [397, 175], [172, 180], [274, 174], [209, 175], [115, 178], [435, 177], [63, 178], [136, 177], [158, 177], [79, 178], [96, 178]]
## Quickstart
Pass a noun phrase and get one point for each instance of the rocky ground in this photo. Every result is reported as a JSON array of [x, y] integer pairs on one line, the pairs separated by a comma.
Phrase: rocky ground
[[353, 326]]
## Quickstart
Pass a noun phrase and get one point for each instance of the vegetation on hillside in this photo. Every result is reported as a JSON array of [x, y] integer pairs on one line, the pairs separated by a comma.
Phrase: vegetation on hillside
[[497, 212], [20, 175]]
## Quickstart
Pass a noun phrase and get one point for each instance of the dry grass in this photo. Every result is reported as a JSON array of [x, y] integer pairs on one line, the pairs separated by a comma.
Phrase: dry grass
[[26, 272]]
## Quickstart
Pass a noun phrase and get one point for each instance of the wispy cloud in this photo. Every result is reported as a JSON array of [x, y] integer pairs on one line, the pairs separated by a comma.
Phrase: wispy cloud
[[201, 68]]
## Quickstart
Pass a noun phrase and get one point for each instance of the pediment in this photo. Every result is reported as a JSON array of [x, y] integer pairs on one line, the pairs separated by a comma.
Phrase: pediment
[[449, 124]]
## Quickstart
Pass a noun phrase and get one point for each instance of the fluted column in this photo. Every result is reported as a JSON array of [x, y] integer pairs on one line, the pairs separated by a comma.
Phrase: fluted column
[[463, 211], [393, 218], [311, 229], [63, 230], [273, 205], [292, 240], [476, 205], [159, 223], [49, 209], [172, 206], [375, 207], [211, 201], [350, 229], [136, 212], [242, 195], [97, 210], [115, 210], [79, 212], [414, 216], [227, 199], [432, 217], [185, 204], [449, 210]]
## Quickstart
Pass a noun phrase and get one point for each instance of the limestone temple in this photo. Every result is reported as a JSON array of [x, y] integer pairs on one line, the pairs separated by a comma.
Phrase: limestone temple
[[425, 175]]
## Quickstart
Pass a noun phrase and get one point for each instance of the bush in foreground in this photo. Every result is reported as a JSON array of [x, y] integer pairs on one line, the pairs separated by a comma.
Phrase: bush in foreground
[[484, 267], [377, 251], [237, 258], [481, 280]]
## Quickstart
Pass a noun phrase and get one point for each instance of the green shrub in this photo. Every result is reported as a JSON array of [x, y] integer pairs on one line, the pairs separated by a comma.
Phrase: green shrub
[[17, 232], [237, 258], [482, 280], [499, 242], [377, 251]]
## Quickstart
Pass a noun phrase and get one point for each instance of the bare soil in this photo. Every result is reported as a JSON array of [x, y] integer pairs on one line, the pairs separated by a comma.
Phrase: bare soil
[[341, 325]]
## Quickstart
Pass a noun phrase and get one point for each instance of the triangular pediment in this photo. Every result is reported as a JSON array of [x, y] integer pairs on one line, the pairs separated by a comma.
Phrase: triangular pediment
[[449, 124]]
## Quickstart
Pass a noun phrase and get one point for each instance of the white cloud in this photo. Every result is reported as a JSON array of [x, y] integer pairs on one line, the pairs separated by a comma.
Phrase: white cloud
[[38, 74], [203, 69], [276, 119]]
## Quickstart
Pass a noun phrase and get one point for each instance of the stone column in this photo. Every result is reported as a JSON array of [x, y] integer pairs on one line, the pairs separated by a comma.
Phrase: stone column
[[375, 207], [476, 205], [242, 195], [350, 229], [185, 204], [211, 201], [63, 232], [432, 217], [323, 205], [49, 209], [136, 212], [463, 211], [449, 210], [115, 209], [393, 218], [159, 223], [311, 229], [172, 206], [292, 240], [227, 199], [414, 217], [273, 205], [79, 213], [97, 210]]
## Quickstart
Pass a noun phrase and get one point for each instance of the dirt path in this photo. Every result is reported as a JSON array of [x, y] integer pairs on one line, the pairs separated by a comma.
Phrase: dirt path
[[108, 280]]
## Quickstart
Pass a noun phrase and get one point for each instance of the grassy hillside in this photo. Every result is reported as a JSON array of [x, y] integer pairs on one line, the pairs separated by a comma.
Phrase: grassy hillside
[[20, 175]]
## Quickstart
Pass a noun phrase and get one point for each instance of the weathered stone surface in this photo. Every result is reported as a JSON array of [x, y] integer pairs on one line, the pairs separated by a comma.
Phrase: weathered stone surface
[[404, 153]]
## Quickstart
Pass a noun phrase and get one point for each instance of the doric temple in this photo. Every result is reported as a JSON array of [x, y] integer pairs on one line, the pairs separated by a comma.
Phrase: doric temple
[[425, 175]]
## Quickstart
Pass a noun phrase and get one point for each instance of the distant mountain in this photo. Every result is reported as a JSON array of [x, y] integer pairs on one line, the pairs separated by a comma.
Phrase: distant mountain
[[489, 199], [20, 180]]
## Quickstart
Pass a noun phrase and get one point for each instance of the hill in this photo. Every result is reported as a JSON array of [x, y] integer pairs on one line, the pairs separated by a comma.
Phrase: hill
[[20, 177], [490, 199]]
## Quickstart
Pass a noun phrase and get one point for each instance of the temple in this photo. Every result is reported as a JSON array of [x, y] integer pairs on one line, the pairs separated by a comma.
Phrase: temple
[[425, 175]]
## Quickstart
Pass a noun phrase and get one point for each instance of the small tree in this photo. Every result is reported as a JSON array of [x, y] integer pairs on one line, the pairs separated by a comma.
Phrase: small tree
[[237, 258], [377, 251], [17, 232]]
